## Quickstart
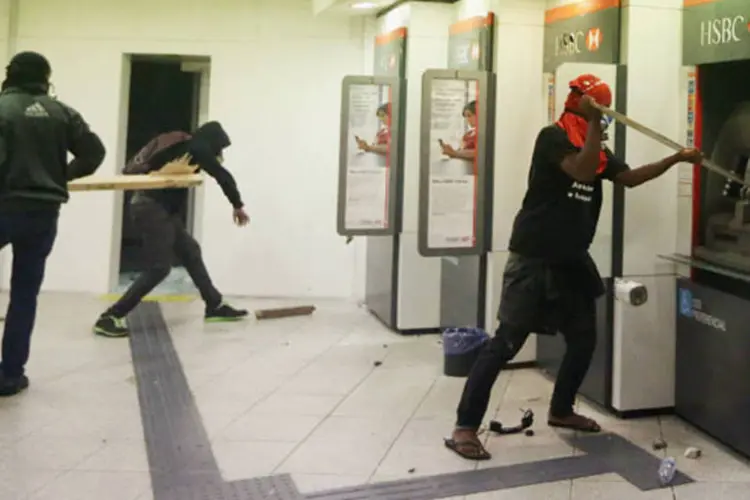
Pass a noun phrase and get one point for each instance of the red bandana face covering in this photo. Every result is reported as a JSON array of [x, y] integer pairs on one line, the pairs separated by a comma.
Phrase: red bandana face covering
[[574, 125]]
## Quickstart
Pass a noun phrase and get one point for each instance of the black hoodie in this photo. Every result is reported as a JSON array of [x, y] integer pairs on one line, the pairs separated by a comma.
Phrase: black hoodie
[[206, 144]]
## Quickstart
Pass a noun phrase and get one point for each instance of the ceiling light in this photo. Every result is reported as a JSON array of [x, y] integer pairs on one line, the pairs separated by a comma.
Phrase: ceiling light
[[364, 5]]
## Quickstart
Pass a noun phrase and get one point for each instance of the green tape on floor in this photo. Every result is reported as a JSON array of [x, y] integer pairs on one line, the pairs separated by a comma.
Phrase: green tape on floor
[[112, 297]]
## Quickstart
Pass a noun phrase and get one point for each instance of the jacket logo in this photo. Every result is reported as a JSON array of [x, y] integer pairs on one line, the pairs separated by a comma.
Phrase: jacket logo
[[36, 110]]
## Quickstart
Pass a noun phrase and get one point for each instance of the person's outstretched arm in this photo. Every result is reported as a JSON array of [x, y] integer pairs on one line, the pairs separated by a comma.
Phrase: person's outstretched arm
[[641, 175], [381, 149], [208, 163]]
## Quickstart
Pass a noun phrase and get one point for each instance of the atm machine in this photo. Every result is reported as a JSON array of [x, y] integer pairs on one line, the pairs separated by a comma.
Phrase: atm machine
[[463, 282], [401, 287], [713, 291], [453, 191], [371, 152], [589, 43]]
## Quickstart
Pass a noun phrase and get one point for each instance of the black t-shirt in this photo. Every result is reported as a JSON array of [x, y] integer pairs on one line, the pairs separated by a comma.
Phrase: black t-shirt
[[558, 217]]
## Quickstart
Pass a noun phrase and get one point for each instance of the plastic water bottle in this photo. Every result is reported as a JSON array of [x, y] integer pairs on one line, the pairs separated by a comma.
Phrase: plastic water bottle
[[667, 471]]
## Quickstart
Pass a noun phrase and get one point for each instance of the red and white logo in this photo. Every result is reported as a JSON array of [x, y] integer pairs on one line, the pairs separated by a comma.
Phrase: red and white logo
[[475, 51], [594, 39]]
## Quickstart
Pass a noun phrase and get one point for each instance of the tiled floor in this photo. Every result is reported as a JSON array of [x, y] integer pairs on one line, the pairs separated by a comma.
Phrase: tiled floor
[[300, 396]]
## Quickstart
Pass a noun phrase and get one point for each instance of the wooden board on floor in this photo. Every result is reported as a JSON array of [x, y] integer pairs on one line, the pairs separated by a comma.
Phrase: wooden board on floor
[[284, 312], [134, 182]]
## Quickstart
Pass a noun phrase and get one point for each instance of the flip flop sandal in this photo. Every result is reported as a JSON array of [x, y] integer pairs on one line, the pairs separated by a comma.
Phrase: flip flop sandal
[[587, 425], [478, 452]]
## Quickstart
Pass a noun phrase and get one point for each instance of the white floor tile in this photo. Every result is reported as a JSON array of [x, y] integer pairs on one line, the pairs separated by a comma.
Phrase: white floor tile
[[551, 491], [589, 490], [89, 485]]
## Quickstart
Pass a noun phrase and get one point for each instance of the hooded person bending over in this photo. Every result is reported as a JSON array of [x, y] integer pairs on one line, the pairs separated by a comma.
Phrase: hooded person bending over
[[550, 282], [156, 214]]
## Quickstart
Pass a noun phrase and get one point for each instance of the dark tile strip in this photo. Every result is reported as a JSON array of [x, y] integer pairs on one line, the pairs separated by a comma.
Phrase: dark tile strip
[[179, 451]]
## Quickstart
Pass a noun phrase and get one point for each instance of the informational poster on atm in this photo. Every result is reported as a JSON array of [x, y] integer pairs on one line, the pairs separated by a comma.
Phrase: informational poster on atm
[[449, 211], [368, 157], [453, 137]]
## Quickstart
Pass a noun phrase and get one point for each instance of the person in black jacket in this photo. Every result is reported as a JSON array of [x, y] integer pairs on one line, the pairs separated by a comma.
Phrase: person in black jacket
[[156, 214], [36, 134]]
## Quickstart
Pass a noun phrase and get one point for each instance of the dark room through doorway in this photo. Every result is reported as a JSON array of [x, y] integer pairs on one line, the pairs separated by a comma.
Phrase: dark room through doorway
[[164, 96]]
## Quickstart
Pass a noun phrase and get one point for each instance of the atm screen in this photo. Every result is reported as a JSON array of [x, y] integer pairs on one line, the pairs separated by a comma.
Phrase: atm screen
[[723, 232]]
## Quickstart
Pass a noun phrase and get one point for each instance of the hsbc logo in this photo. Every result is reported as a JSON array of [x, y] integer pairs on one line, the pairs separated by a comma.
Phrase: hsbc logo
[[723, 30], [576, 42], [594, 39]]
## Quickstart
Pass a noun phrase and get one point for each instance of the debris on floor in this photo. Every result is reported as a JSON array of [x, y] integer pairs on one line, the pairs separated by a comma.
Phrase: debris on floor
[[412, 470], [693, 453], [284, 312], [659, 444], [529, 432], [667, 471], [377, 363], [526, 421]]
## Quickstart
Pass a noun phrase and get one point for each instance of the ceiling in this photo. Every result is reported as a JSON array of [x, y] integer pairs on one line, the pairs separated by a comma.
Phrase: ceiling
[[359, 7], [351, 7]]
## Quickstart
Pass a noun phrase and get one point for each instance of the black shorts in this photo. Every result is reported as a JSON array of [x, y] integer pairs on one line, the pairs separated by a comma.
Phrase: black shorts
[[546, 298]]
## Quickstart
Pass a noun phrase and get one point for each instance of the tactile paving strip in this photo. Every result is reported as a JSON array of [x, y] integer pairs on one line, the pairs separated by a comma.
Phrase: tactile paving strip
[[176, 441], [606, 453], [263, 488], [183, 466]]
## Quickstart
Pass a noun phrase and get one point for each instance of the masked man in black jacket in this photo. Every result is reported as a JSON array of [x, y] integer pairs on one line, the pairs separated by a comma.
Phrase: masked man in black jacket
[[36, 134], [156, 214]]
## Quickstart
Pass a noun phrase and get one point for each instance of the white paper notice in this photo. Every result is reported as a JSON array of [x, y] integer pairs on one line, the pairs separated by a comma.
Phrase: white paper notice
[[368, 172], [452, 198]]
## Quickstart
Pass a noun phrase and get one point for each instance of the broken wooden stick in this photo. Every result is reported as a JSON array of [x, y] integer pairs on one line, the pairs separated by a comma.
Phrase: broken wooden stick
[[284, 312]]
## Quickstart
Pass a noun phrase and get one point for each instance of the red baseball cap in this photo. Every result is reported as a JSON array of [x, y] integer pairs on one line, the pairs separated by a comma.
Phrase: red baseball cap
[[594, 87]]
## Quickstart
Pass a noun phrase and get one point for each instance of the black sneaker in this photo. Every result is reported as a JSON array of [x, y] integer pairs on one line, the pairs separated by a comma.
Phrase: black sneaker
[[225, 312], [10, 386], [111, 326]]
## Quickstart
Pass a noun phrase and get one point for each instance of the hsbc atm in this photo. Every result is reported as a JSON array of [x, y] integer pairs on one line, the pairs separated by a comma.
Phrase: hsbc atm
[[713, 291], [587, 41]]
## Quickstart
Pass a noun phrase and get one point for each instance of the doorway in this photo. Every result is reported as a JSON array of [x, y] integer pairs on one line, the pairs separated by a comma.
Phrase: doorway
[[164, 96]]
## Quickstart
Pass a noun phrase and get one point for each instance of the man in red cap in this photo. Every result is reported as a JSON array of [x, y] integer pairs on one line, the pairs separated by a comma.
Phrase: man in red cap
[[550, 282]]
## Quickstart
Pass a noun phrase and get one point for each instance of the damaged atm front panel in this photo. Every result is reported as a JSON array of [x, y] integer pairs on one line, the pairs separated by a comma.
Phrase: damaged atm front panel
[[716, 56]]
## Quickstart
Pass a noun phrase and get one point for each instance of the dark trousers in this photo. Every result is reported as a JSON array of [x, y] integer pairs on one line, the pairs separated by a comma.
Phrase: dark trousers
[[164, 235], [31, 235], [508, 341]]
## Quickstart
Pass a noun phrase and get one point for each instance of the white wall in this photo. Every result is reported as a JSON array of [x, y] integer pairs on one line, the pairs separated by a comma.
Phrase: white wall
[[644, 340], [520, 114], [275, 85]]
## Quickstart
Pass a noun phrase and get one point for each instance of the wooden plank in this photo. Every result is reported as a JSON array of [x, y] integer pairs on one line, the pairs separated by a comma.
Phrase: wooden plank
[[135, 182], [284, 312], [669, 143]]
